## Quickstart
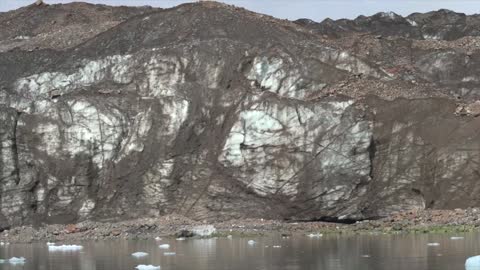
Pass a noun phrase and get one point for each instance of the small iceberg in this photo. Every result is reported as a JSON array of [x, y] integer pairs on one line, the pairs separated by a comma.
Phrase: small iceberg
[[15, 260], [433, 244], [147, 267], [229, 236], [139, 254], [315, 235], [164, 246], [4, 243], [204, 230], [169, 253], [456, 238], [50, 244], [277, 246], [158, 238], [180, 239], [365, 256], [65, 248], [473, 263], [251, 242]]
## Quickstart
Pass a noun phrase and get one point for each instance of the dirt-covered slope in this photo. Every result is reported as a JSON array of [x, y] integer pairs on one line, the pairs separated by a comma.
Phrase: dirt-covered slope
[[60, 26]]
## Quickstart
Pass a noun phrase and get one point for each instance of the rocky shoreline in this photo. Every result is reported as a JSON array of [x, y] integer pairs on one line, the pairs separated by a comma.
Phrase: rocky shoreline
[[425, 221]]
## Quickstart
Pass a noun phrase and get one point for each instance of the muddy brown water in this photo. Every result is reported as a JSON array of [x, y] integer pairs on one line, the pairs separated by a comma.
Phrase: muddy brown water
[[331, 252]]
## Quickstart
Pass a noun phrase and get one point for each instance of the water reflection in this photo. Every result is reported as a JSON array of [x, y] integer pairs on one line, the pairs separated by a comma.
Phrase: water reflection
[[334, 252]]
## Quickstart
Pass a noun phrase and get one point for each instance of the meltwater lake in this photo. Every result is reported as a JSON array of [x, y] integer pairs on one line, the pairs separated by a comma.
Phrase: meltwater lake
[[329, 252]]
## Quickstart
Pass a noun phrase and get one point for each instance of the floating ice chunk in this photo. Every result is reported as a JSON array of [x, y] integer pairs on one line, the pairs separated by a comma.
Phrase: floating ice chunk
[[181, 239], [251, 242], [164, 246], [365, 256], [158, 238], [473, 263], [229, 236], [433, 244], [147, 267], [277, 246], [65, 248], [456, 237], [139, 254], [50, 244], [169, 253], [4, 243], [315, 235], [15, 260]]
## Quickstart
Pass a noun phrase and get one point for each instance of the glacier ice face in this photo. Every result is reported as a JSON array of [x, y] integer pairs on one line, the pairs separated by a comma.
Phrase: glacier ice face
[[204, 230], [276, 75], [212, 129], [271, 144]]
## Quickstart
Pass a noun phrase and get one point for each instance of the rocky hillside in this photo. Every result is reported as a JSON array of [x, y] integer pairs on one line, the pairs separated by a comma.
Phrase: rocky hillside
[[215, 112]]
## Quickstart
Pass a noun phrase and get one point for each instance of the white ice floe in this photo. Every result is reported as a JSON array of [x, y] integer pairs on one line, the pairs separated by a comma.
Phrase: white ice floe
[[229, 236], [315, 235], [50, 244], [473, 263], [169, 253], [456, 238], [16, 260], [251, 242], [277, 246], [158, 238], [164, 246], [365, 256], [13, 260], [147, 267], [139, 254], [181, 239], [433, 244], [4, 243], [65, 248]]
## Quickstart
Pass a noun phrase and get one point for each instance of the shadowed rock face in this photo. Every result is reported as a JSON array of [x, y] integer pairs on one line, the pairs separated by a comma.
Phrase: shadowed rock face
[[215, 112]]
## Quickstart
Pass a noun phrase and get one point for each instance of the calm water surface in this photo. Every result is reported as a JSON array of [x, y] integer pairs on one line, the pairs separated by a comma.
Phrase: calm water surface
[[367, 252]]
